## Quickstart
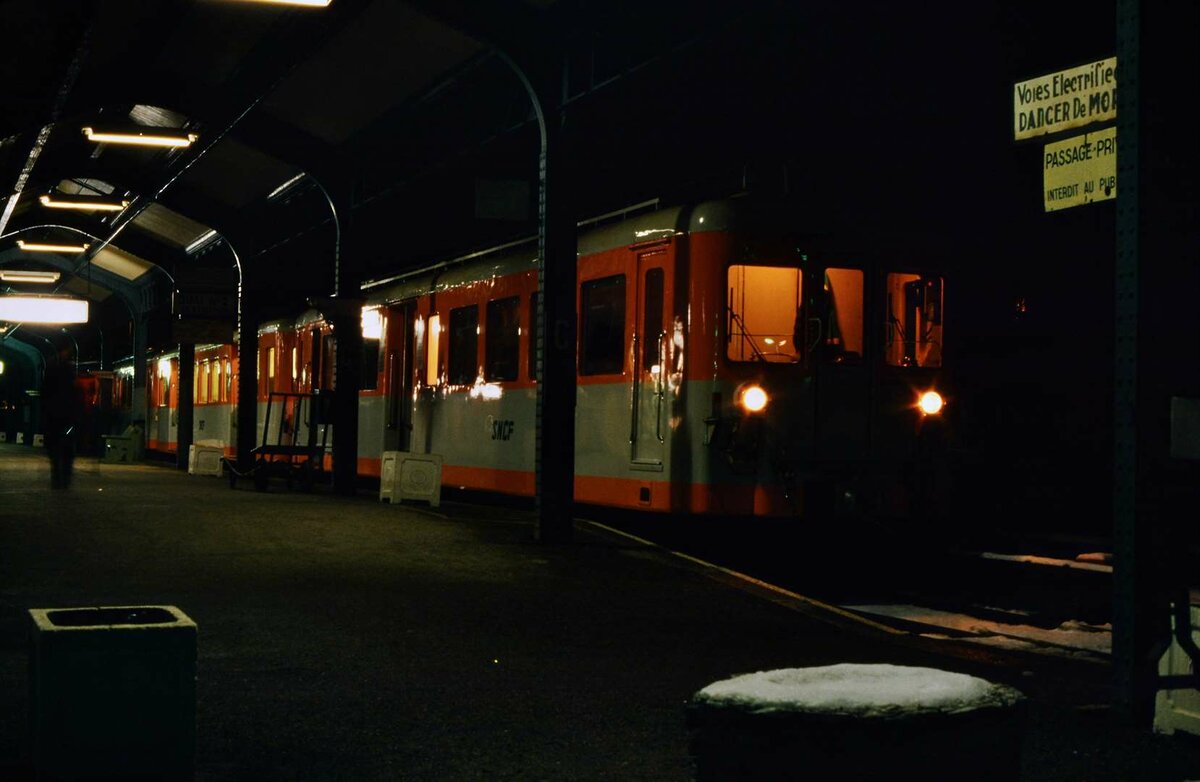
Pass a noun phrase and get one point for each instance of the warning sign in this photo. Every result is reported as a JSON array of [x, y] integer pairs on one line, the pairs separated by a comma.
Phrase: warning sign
[[1066, 99], [1080, 170]]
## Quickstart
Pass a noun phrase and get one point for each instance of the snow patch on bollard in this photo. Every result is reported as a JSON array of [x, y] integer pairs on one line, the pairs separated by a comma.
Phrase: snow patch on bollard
[[856, 722], [855, 690]]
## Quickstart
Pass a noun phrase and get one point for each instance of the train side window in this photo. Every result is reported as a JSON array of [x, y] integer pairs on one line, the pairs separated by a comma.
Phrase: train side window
[[372, 333], [197, 374], [464, 345], [913, 336], [228, 381], [370, 365], [652, 318], [603, 327], [431, 351], [215, 370], [763, 309], [841, 314], [533, 336], [502, 341], [328, 362]]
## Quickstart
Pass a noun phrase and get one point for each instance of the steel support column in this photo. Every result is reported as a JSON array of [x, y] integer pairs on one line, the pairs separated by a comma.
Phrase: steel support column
[[555, 436], [187, 404], [140, 328], [345, 310], [554, 457], [249, 316], [1133, 605]]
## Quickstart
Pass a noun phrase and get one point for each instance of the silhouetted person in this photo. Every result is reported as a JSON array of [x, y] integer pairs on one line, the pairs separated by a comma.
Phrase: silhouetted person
[[62, 410]]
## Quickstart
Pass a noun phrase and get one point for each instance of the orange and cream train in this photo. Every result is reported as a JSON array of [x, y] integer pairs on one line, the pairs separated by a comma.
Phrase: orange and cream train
[[726, 365]]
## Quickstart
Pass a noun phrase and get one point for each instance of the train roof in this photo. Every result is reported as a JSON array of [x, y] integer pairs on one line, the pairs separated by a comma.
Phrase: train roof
[[521, 256]]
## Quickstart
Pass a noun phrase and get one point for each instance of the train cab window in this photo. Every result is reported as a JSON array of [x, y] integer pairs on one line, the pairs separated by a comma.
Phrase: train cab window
[[502, 341], [603, 327], [533, 336], [914, 320], [464, 345], [764, 305], [841, 313]]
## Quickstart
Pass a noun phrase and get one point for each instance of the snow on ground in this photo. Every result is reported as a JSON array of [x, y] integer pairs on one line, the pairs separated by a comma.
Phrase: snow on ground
[[1070, 564], [857, 690], [1070, 638]]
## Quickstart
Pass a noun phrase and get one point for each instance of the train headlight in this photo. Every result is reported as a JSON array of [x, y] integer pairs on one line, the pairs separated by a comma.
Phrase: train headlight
[[754, 399], [931, 403]]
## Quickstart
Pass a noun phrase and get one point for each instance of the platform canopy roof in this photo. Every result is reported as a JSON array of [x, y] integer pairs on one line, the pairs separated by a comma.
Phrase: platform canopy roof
[[280, 103]]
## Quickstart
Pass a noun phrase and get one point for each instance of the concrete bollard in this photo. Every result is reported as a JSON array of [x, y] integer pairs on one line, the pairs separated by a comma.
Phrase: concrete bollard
[[856, 722], [113, 693]]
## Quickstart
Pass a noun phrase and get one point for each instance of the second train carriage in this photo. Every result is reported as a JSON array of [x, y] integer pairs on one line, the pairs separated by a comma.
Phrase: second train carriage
[[214, 396], [726, 365]]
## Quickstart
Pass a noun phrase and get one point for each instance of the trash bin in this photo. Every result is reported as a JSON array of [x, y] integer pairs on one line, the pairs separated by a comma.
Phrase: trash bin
[[113, 692], [856, 722]]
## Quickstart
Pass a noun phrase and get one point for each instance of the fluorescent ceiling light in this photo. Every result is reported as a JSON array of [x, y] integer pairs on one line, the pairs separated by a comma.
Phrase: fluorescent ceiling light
[[143, 137], [85, 203], [28, 275], [41, 247], [286, 185], [203, 239], [43, 309], [309, 3]]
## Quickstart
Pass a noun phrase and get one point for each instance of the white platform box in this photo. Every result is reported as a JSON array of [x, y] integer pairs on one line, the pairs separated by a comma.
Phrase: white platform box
[[3, 437], [206, 460], [1178, 709], [124, 448], [410, 476], [39, 441]]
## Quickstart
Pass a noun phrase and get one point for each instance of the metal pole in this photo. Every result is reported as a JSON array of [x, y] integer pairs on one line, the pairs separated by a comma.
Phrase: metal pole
[[1134, 684]]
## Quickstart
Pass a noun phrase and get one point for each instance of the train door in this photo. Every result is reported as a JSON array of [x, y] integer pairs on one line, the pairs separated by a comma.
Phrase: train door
[[648, 425], [399, 367], [842, 376]]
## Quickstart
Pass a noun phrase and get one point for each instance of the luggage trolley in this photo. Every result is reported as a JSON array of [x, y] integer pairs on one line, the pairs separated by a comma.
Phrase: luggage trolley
[[298, 452]]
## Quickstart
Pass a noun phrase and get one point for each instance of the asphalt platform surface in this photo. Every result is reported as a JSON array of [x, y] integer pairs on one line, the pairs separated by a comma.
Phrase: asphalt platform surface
[[348, 639]]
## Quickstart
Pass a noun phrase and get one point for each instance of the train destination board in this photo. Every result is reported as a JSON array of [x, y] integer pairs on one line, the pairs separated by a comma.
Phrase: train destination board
[[1065, 99], [1080, 170]]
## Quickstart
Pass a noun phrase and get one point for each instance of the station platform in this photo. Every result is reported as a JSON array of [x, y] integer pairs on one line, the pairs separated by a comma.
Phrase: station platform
[[344, 638]]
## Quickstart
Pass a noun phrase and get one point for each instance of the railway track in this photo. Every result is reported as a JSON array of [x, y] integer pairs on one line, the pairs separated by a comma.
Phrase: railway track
[[907, 581]]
